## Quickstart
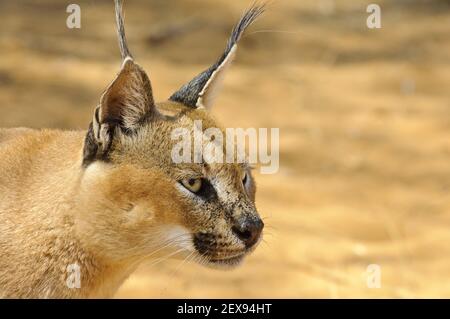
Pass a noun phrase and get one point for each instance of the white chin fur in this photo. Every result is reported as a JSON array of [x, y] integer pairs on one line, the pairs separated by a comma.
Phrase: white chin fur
[[227, 264]]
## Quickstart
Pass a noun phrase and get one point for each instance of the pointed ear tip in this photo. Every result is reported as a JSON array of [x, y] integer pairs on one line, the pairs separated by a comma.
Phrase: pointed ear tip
[[130, 65], [128, 61]]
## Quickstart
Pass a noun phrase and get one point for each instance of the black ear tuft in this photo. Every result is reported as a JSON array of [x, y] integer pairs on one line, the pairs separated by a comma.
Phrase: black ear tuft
[[201, 90]]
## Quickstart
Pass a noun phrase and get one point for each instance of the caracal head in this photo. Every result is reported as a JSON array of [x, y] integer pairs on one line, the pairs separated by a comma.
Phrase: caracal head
[[137, 199]]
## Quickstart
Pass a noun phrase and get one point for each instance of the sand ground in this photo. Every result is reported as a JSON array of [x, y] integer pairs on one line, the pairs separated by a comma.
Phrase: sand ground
[[364, 118]]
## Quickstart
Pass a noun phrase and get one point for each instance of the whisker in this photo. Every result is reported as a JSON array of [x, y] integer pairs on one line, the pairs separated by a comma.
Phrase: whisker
[[159, 260], [266, 245], [272, 235], [175, 240], [184, 260]]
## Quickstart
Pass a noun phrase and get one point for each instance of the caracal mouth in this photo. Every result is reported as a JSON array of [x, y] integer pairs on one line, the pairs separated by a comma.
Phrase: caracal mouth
[[225, 262]]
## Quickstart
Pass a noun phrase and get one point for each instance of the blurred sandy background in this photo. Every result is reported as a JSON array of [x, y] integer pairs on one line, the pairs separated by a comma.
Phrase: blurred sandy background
[[364, 118]]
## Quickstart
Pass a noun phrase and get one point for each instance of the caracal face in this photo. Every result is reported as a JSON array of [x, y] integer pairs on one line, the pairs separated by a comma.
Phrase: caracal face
[[206, 211]]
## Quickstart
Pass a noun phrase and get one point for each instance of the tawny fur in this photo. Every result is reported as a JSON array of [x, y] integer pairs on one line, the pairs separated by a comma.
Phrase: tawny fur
[[111, 197], [54, 213]]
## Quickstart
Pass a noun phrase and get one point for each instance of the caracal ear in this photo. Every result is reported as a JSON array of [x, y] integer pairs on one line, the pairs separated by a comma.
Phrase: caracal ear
[[201, 91], [124, 106], [128, 100]]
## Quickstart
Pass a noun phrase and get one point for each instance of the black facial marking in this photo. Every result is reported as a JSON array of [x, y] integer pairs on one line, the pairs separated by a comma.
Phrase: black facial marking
[[207, 191], [205, 243]]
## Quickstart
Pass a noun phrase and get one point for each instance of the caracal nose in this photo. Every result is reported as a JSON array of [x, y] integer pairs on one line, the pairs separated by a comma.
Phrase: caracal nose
[[249, 231]]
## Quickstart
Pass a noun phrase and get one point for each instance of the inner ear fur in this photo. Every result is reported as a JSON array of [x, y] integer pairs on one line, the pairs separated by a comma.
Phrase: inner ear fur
[[128, 100]]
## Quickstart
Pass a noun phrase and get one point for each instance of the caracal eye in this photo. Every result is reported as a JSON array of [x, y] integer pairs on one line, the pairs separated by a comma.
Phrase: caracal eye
[[192, 184]]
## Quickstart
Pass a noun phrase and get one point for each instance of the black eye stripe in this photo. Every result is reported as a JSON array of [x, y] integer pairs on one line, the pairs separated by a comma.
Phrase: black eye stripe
[[207, 191]]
